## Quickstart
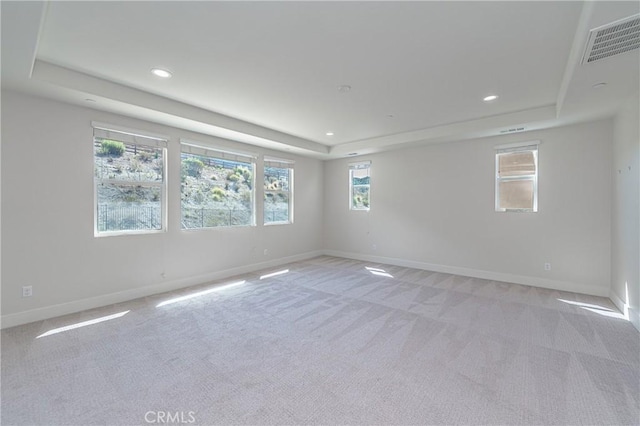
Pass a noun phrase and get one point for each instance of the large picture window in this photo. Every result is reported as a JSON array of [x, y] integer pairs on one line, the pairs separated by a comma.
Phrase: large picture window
[[129, 178], [278, 191], [217, 188], [359, 185], [517, 178]]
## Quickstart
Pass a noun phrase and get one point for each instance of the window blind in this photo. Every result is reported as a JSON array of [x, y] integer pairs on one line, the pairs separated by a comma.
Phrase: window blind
[[515, 147], [360, 165], [281, 164], [129, 136], [216, 153]]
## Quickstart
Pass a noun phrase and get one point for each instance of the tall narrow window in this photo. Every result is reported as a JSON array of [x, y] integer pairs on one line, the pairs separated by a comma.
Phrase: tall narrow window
[[278, 191], [217, 188], [517, 178], [129, 179], [359, 185]]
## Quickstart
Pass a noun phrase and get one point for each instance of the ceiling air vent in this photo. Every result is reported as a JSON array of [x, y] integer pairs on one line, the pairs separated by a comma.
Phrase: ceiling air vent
[[512, 130], [612, 39]]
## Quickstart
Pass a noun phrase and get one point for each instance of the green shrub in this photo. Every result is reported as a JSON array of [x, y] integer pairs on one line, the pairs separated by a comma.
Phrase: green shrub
[[112, 148], [245, 196], [135, 165], [192, 167], [197, 196], [233, 177], [131, 197], [244, 172], [360, 200], [219, 192], [145, 156]]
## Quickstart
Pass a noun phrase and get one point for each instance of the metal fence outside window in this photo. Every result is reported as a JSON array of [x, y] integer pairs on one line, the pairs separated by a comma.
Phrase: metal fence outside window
[[129, 217], [276, 215], [197, 217], [136, 217]]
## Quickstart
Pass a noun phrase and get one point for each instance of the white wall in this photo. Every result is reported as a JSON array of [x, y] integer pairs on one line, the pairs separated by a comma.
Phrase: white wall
[[47, 219], [433, 207], [625, 247]]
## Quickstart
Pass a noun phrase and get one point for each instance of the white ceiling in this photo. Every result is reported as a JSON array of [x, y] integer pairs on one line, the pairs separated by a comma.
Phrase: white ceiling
[[267, 73]]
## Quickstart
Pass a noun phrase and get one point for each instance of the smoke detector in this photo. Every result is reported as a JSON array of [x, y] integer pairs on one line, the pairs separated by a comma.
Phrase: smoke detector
[[613, 39]]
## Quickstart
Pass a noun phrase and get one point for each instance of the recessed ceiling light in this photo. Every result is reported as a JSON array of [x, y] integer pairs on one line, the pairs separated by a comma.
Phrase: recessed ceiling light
[[344, 88], [599, 85], [329, 133], [161, 73], [490, 98], [90, 100], [351, 154]]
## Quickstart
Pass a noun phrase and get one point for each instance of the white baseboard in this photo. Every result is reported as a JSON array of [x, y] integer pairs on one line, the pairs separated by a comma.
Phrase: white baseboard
[[47, 312], [39, 314], [619, 303], [477, 273], [633, 315]]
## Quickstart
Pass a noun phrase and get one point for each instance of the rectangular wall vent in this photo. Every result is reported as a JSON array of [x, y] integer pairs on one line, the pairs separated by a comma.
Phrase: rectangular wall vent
[[512, 130], [613, 39]]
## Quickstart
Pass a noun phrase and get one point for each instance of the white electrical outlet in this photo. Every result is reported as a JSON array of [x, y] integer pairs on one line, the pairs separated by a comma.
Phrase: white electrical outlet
[[374, 247], [547, 266], [266, 252], [27, 291]]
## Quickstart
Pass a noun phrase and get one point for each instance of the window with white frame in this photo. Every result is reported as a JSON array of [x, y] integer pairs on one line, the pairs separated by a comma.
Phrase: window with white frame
[[217, 188], [360, 185], [129, 180], [278, 191], [517, 177]]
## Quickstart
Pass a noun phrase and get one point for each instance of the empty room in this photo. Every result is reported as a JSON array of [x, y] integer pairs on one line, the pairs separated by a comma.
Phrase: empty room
[[373, 213]]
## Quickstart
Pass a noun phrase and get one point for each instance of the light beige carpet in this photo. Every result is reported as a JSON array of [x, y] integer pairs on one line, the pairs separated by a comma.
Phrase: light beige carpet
[[330, 342]]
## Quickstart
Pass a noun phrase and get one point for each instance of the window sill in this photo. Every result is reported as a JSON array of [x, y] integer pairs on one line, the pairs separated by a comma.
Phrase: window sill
[[516, 211], [129, 233], [209, 228], [278, 223]]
